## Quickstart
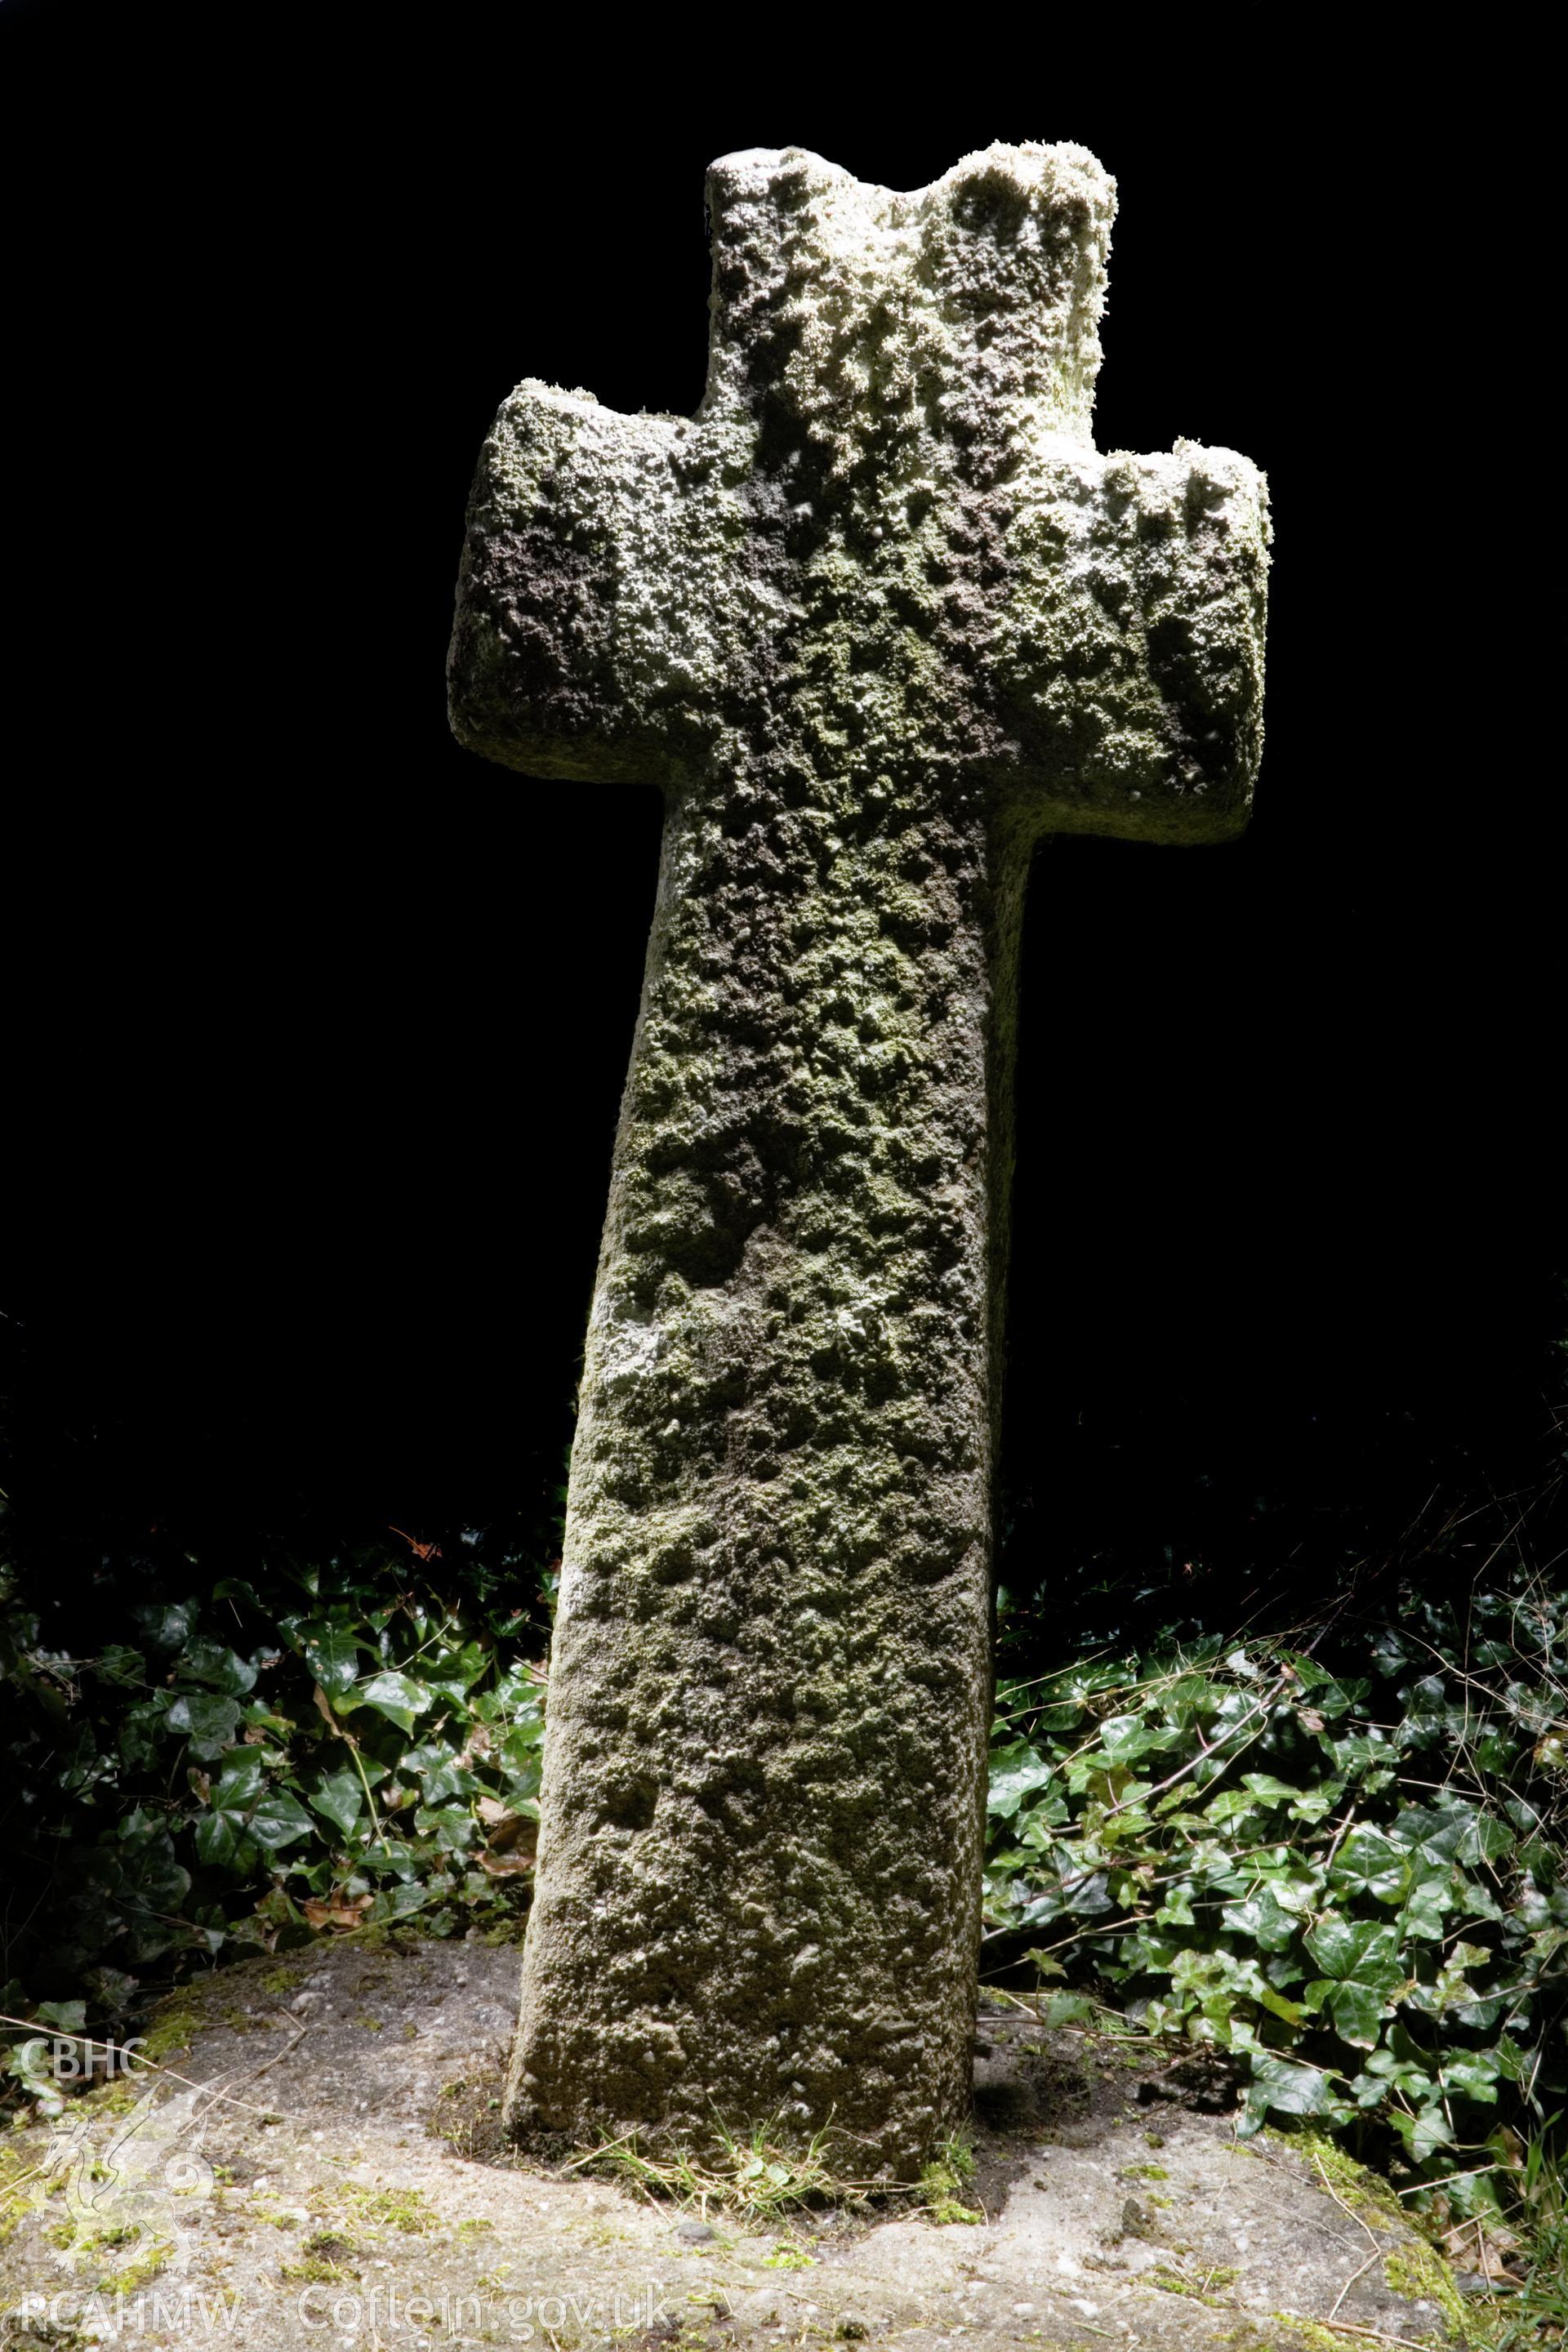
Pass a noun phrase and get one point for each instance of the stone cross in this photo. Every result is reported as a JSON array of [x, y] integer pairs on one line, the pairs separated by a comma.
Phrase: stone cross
[[876, 619]]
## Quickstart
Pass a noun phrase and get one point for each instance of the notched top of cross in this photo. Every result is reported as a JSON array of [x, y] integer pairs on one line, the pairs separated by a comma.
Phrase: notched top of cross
[[886, 540]]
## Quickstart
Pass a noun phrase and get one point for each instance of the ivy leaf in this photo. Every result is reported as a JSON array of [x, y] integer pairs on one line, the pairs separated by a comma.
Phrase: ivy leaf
[[1336, 1697], [441, 1773], [1308, 1672], [214, 1664], [1371, 1864], [220, 1841], [1429, 1901], [395, 1902], [1474, 2076], [337, 1797], [1361, 1967], [1265, 1785], [1454, 1832], [279, 1819], [1089, 1897], [1357, 2010], [518, 1755], [331, 1653], [1423, 2134], [1314, 1804], [397, 1855], [1261, 1920], [220, 1834], [451, 1829], [1349, 1949], [1452, 1989], [1284, 1968], [235, 1587], [1059, 1719], [1033, 1828], [241, 1781], [1016, 1771], [148, 1890], [1289, 2089], [1230, 1806], [1069, 2009], [66, 2016], [454, 1674], [166, 1624], [396, 1695], [264, 1718], [210, 1721], [1123, 1739]]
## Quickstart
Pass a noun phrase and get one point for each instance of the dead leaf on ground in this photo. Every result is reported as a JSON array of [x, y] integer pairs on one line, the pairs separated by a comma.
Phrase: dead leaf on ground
[[336, 1911], [505, 1866], [1481, 2246]]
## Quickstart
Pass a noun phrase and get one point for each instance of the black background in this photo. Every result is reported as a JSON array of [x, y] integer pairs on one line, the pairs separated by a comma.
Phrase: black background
[[319, 1023]]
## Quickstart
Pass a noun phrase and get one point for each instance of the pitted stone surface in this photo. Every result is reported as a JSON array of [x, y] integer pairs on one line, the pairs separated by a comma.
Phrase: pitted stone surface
[[876, 619]]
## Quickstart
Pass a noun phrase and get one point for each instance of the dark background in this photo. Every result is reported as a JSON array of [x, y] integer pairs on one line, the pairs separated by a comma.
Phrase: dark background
[[319, 1024]]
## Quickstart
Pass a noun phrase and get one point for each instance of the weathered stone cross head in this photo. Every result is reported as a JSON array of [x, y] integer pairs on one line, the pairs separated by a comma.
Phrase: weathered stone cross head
[[876, 618]]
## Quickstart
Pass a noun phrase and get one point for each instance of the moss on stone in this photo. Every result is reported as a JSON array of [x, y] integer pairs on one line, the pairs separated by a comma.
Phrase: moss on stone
[[787, 2255], [876, 619], [390, 2209], [1416, 2269], [114, 2096], [943, 2183], [1413, 2267], [1309, 2332], [172, 2027], [1210, 2290]]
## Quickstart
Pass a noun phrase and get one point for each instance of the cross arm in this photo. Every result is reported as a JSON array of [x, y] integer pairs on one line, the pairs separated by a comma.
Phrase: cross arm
[[607, 590], [1127, 664]]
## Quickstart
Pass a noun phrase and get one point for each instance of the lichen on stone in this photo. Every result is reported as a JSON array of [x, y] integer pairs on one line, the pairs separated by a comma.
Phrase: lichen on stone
[[876, 619]]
